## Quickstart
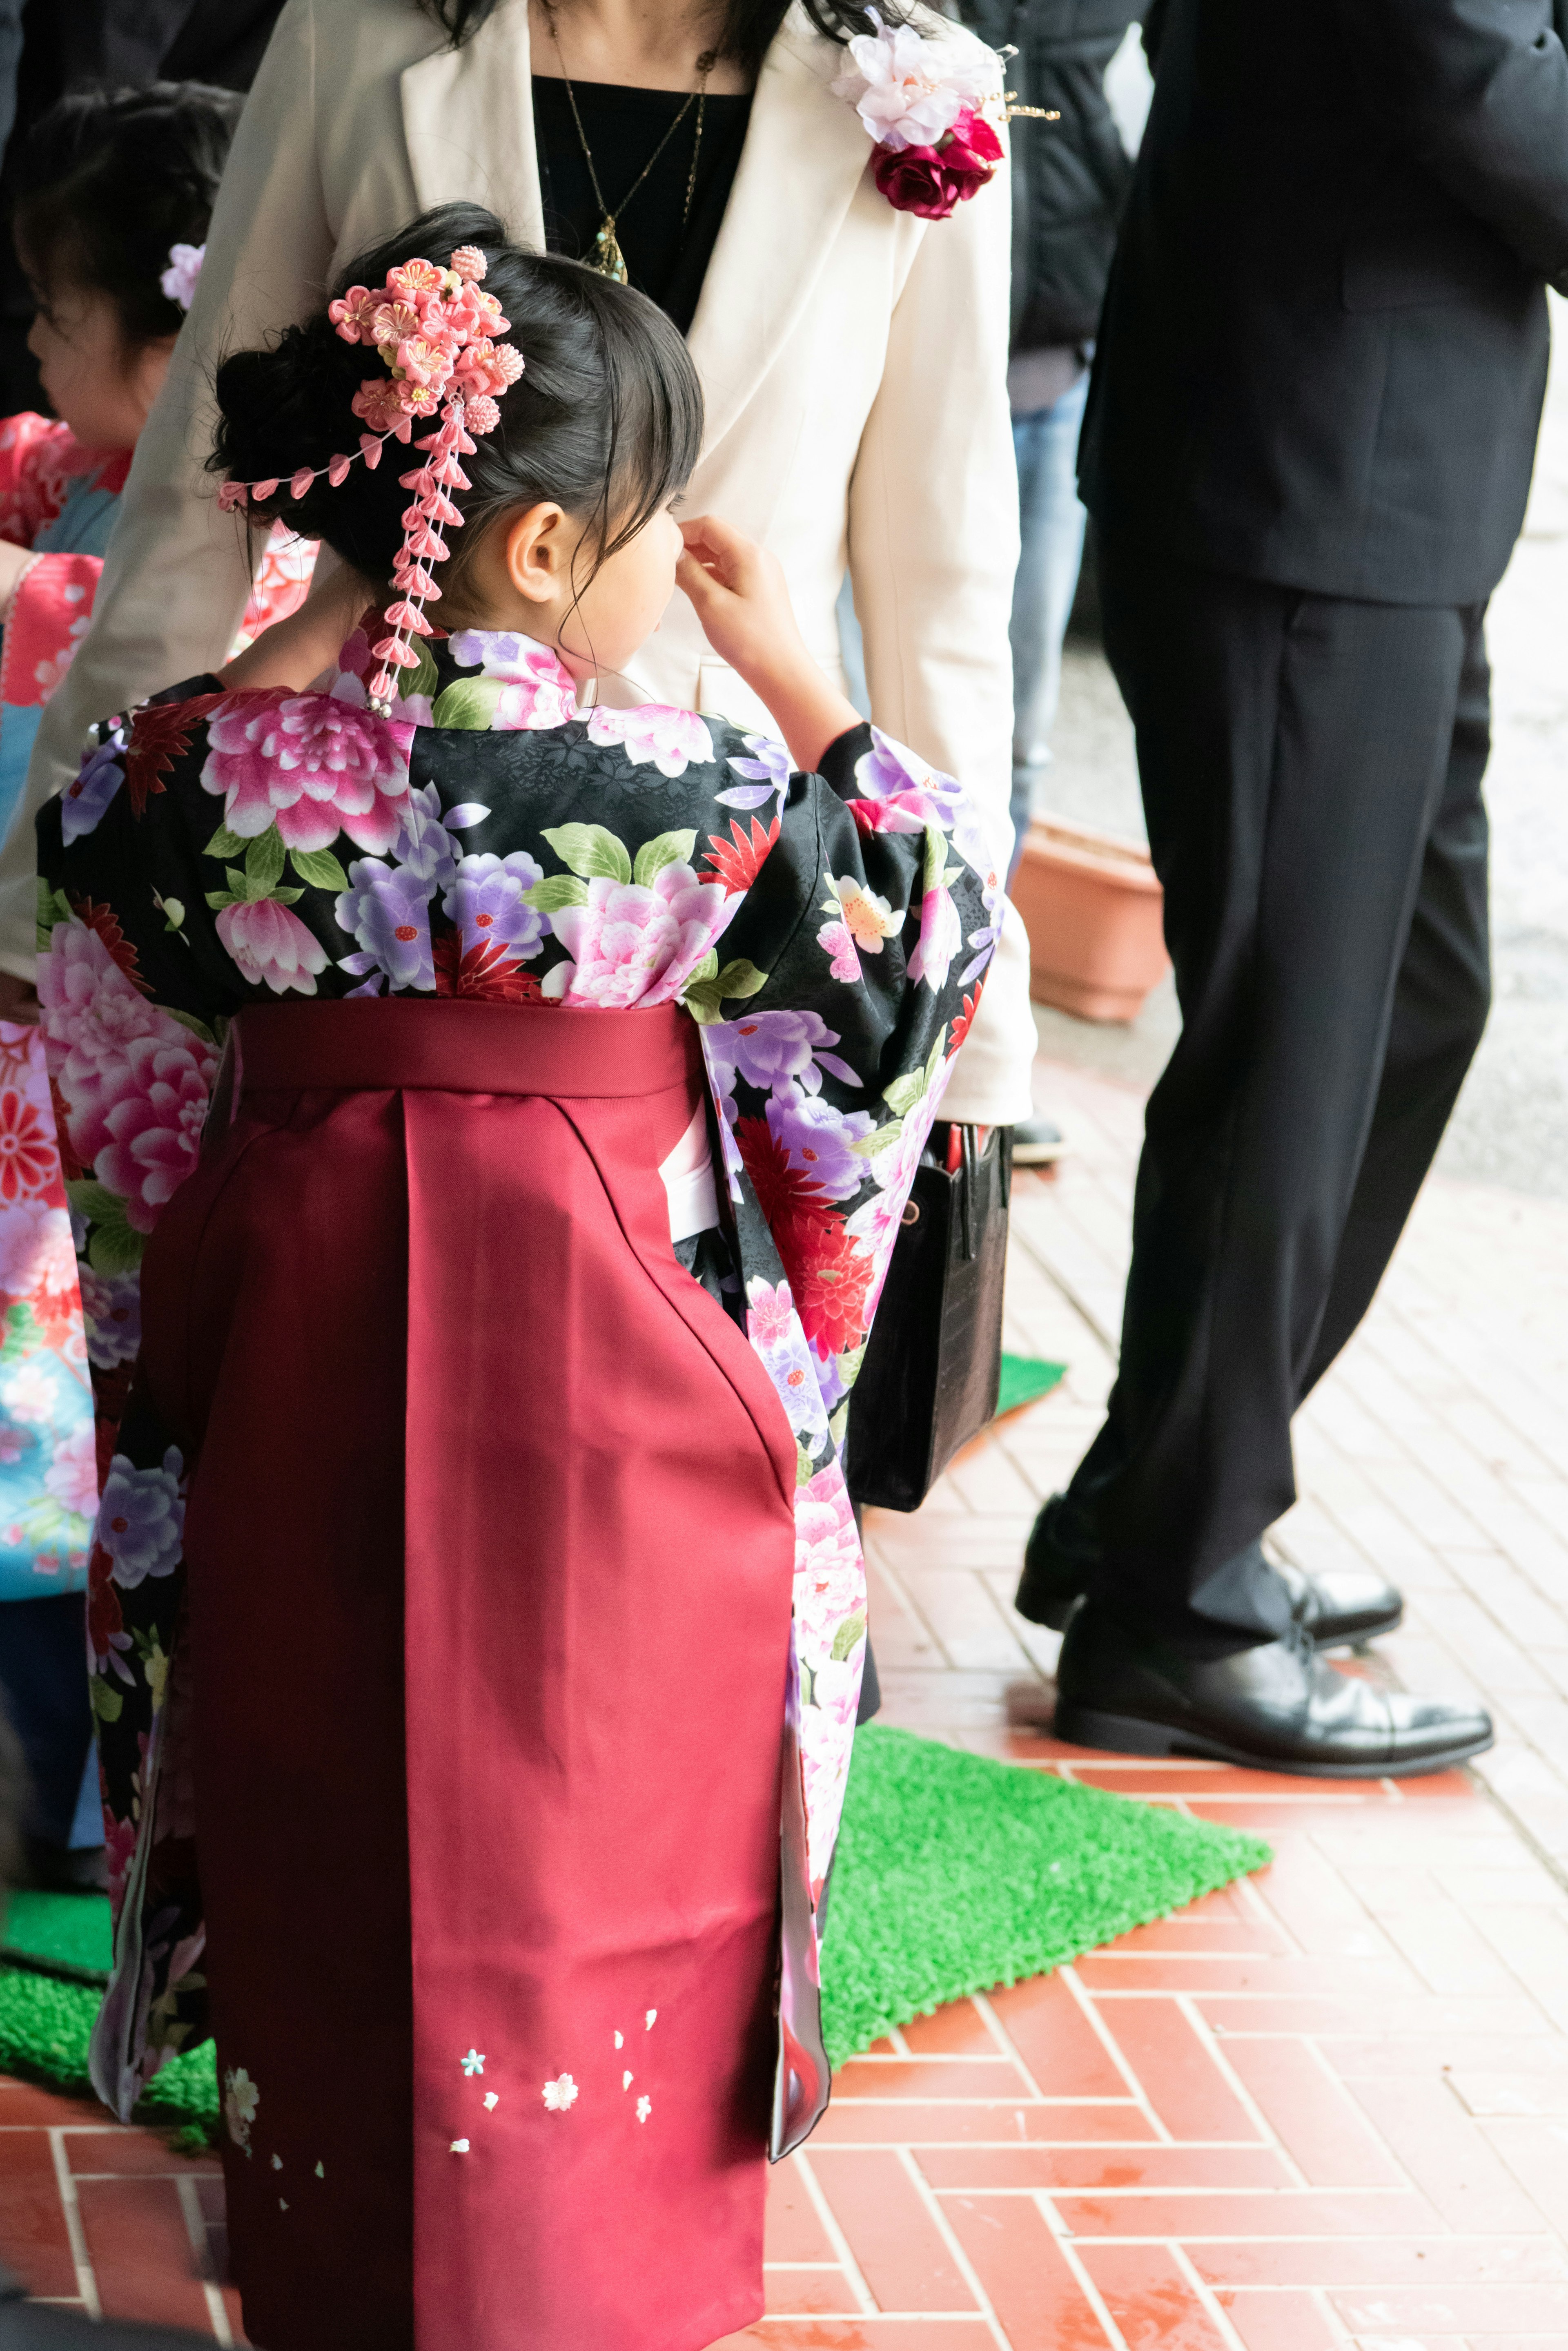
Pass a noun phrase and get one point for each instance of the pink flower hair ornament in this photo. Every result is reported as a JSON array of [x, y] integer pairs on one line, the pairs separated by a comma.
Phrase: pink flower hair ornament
[[435, 333]]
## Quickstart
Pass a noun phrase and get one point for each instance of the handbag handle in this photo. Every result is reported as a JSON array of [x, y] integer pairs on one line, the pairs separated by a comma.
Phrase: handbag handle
[[969, 1186]]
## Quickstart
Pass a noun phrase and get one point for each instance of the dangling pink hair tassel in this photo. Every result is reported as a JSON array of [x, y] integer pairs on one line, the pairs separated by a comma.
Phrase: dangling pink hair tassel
[[439, 318]]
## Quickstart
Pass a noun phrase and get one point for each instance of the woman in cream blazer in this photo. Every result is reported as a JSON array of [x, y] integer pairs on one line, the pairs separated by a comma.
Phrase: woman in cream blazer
[[853, 359]]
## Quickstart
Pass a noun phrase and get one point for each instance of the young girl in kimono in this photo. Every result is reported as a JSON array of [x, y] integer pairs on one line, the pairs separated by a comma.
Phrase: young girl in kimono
[[119, 186], [476, 1603]]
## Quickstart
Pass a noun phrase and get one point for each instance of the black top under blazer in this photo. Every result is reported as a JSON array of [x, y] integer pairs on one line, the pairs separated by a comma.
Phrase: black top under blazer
[[1324, 343]]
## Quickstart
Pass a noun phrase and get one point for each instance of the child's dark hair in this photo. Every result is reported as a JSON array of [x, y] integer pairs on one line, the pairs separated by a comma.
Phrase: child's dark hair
[[113, 179], [606, 418]]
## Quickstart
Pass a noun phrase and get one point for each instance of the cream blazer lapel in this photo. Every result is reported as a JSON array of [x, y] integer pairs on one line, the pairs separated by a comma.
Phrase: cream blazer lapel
[[804, 156], [468, 118]]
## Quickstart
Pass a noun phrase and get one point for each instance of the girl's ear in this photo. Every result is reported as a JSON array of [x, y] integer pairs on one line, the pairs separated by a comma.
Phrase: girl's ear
[[538, 550]]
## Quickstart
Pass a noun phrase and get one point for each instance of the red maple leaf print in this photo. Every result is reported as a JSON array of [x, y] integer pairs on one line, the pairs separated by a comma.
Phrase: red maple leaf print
[[963, 1024], [159, 734], [782, 1189], [486, 971], [105, 923], [736, 862]]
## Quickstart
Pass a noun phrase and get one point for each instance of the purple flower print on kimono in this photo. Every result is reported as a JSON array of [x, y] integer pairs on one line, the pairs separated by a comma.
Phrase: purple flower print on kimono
[[819, 1141], [84, 802], [423, 846], [386, 910], [770, 1048], [111, 1311], [768, 770], [670, 738], [773, 1326], [141, 1518], [271, 945], [488, 901], [900, 793], [537, 690], [637, 943], [984, 940], [312, 765]]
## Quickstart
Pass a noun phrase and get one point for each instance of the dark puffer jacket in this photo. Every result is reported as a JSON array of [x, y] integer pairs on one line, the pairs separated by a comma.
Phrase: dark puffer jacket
[[1069, 178]]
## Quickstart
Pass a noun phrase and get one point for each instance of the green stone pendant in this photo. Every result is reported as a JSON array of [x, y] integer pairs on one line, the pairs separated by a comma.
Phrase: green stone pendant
[[608, 259]]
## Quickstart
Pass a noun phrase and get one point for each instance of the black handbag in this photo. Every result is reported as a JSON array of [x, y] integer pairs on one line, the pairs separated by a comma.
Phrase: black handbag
[[933, 1362]]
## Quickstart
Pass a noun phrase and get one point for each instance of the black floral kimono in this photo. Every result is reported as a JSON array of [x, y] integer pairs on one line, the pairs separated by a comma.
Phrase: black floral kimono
[[489, 860]]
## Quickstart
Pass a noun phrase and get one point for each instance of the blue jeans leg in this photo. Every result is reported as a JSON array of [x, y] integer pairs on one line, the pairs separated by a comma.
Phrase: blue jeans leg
[[1051, 525]]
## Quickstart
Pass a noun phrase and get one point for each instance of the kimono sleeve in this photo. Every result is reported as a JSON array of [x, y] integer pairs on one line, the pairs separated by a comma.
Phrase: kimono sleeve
[[861, 949], [859, 955], [34, 474], [850, 973], [135, 993], [49, 618]]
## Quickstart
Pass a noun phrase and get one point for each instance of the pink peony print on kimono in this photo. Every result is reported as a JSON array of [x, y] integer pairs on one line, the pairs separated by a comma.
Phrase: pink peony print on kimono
[[153, 1126], [536, 690], [133, 1082], [829, 1606], [312, 765], [633, 934], [271, 945], [829, 1649], [670, 738]]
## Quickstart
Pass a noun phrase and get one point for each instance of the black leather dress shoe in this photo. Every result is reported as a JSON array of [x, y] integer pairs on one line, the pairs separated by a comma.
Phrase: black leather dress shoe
[[1277, 1707], [1335, 1606], [1338, 1606]]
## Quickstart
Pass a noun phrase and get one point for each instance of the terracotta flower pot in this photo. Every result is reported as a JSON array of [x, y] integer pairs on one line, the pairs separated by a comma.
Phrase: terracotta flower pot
[[1093, 907]]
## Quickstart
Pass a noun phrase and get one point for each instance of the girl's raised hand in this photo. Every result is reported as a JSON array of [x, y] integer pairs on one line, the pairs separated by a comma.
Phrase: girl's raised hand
[[738, 592]]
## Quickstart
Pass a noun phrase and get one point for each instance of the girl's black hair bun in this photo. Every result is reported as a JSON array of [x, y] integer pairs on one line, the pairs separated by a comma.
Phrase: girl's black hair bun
[[606, 419]]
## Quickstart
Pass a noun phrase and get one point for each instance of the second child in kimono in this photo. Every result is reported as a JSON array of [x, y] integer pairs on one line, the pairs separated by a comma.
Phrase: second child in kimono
[[476, 1595], [117, 188]]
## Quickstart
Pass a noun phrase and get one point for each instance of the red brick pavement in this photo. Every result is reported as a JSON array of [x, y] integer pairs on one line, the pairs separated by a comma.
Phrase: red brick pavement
[[1328, 2106], [1292, 2118]]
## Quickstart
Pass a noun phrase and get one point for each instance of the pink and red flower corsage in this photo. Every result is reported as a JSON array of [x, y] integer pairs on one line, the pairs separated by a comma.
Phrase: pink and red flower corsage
[[925, 106]]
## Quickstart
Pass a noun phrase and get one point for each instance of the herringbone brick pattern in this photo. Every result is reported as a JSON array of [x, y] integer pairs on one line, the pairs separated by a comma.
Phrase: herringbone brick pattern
[[1328, 2106]]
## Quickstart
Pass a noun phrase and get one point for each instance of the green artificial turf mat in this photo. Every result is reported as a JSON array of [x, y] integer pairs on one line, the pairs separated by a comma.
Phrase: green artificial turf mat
[[1024, 1378], [954, 1875], [70, 1927], [44, 2032]]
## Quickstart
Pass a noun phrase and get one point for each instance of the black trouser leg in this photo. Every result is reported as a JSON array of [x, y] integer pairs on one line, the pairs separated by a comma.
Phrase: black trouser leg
[[44, 1689], [1445, 976], [1311, 773]]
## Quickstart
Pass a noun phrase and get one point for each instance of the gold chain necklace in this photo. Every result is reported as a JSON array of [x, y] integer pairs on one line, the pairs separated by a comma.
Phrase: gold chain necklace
[[607, 257]]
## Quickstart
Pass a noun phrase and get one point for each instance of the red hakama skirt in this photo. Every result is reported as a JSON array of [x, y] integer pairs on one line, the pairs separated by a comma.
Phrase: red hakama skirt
[[490, 1538]]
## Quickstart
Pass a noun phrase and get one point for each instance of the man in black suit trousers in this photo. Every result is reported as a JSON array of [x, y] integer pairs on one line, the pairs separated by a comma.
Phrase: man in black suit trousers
[[1310, 438]]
